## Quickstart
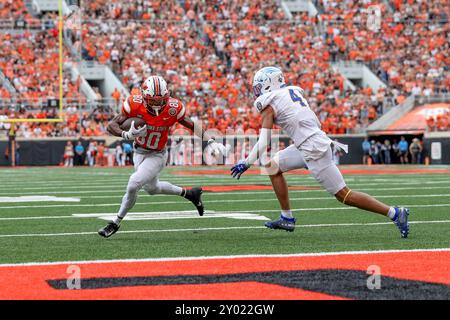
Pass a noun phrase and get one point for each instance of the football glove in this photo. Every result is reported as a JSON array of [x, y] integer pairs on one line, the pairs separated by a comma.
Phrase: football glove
[[217, 148], [134, 133], [238, 169]]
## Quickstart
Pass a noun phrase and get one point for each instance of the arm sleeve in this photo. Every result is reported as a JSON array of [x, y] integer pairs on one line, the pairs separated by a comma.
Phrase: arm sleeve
[[260, 147], [126, 107], [263, 101], [181, 112]]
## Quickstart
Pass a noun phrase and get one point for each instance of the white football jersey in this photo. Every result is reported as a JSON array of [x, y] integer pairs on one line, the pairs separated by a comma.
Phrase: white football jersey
[[292, 113]]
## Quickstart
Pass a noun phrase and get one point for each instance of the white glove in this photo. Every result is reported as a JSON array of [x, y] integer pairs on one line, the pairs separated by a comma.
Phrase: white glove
[[217, 148], [134, 133]]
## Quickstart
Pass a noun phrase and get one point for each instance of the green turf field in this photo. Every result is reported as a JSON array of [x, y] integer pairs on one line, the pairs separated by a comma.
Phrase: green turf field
[[64, 231]]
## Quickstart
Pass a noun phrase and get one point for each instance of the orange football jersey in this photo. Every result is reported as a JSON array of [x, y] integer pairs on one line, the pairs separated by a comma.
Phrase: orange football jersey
[[157, 126]]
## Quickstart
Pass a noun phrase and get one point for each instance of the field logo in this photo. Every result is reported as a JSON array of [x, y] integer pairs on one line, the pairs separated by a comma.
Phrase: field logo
[[374, 280], [374, 18], [74, 280]]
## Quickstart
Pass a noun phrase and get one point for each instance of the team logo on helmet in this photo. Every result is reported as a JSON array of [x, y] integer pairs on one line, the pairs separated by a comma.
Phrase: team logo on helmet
[[267, 79]]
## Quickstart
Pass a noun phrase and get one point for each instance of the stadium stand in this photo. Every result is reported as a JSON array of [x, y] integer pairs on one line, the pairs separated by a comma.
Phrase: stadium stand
[[208, 51], [408, 52]]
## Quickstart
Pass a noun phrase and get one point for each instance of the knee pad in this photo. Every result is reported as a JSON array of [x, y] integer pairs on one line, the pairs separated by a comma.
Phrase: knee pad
[[152, 188], [133, 188], [134, 185]]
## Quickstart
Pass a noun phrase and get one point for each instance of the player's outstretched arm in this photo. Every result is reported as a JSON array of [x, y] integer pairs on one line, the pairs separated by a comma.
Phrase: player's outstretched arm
[[189, 124], [199, 132], [260, 147], [265, 133]]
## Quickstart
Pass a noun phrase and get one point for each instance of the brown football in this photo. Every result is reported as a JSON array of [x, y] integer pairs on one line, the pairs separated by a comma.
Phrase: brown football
[[138, 122]]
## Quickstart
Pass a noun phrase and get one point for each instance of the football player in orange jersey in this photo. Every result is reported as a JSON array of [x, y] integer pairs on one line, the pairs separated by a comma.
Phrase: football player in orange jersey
[[160, 112]]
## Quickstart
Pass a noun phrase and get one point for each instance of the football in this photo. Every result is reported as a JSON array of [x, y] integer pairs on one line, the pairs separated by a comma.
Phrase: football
[[138, 122]]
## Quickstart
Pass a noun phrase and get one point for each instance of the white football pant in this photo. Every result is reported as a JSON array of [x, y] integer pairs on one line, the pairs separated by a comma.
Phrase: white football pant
[[147, 168], [321, 167]]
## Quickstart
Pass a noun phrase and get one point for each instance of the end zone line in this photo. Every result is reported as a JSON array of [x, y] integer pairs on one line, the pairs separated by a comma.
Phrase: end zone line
[[287, 255], [213, 229]]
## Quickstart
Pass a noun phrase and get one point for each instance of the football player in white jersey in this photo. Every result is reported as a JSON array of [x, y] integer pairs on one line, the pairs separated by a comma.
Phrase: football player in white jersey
[[286, 107]]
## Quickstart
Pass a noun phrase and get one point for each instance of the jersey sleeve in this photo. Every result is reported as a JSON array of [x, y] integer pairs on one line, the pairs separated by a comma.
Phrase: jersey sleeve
[[131, 106], [126, 107], [263, 101], [181, 111]]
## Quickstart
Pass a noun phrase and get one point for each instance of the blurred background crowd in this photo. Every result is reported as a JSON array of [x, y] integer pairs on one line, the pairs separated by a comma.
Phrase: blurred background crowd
[[209, 50]]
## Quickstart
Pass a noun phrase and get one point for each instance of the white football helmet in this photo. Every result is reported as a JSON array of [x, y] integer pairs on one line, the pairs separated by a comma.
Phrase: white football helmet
[[155, 94], [267, 79]]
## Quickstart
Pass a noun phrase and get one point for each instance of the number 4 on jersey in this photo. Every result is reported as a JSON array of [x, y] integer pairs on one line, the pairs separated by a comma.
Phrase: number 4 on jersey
[[297, 98]]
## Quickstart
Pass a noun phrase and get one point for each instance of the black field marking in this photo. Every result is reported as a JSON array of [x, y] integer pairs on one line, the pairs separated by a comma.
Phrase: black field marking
[[337, 282]]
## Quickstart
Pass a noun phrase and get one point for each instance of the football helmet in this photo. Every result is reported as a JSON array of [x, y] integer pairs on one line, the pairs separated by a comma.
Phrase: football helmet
[[155, 94], [267, 79]]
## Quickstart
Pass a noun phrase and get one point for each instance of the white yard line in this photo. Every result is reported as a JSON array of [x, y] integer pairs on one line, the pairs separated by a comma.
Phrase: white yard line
[[213, 229], [121, 192], [246, 256], [109, 186], [61, 182], [114, 204], [213, 194], [353, 208]]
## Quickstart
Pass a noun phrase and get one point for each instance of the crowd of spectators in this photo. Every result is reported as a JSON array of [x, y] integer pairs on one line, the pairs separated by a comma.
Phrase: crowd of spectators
[[96, 153], [133, 10], [13, 10], [211, 68], [395, 152], [27, 60], [208, 51], [409, 50], [440, 122], [75, 122]]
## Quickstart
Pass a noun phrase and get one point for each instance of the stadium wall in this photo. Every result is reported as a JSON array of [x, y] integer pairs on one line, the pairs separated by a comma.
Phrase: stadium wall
[[440, 140], [49, 152], [44, 152]]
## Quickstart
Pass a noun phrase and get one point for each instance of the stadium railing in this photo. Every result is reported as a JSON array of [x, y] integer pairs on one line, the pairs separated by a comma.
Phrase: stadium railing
[[32, 24], [441, 98], [39, 103]]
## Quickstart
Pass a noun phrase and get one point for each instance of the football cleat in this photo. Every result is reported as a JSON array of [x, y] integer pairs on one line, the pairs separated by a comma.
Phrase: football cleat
[[108, 230], [401, 221], [283, 223], [194, 195]]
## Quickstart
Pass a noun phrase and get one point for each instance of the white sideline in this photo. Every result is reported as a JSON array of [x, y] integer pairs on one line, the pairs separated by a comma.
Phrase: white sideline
[[252, 211], [109, 186], [213, 229], [58, 183], [114, 204], [23, 199], [289, 255], [233, 192]]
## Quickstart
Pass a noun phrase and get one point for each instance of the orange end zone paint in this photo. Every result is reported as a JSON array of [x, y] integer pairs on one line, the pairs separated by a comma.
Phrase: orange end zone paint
[[30, 282]]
